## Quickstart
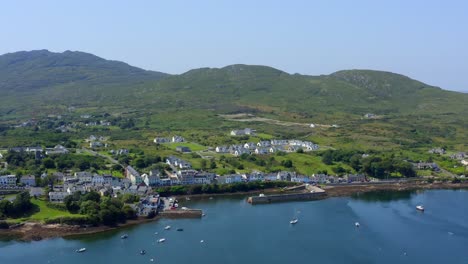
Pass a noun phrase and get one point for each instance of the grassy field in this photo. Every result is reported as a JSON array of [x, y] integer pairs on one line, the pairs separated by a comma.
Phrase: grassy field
[[46, 212]]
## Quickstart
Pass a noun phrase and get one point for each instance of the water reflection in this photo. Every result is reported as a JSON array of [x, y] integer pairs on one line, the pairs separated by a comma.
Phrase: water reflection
[[385, 196]]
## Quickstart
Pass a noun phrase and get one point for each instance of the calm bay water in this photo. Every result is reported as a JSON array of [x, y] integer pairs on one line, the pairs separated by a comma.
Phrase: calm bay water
[[391, 231]]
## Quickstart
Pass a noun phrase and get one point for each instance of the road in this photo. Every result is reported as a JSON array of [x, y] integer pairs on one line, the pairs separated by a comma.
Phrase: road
[[112, 160]]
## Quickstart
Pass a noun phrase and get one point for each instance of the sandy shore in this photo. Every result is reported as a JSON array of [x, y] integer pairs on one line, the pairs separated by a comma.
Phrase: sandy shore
[[36, 231]]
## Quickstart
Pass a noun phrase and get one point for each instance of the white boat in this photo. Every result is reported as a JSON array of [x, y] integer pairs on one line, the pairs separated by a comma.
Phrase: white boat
[[81, 250], [161, 240], [167, 227], [420, 208], [294, 221], [202, 241], [203, 214], [124, 236], [357, 224]]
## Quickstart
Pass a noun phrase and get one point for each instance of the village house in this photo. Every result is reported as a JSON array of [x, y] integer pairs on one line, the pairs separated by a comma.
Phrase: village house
[[249, 145], [34, 149], [232, 178], [160, 140], [28, 180], [242, 132], [57, 150], [95, 144], [239, 152], [153, 179], [222, 149], [255, 176], [464, 162], [270, 177], [183, 149], [58, 196], [285, 175], [84, 176], [203, 178], [356, 177], [186, 176], [261, 151], [426, 166], [264, 144], [300, 178], [8, 180], [133, 175], [437, 151], [97, 180], [177, 139], [458, 156]]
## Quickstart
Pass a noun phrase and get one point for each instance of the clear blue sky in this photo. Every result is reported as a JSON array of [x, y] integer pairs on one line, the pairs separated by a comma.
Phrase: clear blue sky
[[426, 40]]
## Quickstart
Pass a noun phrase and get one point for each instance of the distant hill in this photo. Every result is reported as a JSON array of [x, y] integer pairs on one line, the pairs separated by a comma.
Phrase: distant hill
[[42, 69], [41, 78]]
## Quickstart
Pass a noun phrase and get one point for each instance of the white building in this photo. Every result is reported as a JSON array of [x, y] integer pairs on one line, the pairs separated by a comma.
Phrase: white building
[[57, 196], [8, 180]]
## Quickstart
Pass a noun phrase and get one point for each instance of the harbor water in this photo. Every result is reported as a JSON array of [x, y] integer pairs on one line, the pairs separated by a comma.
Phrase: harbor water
[[390, 230]]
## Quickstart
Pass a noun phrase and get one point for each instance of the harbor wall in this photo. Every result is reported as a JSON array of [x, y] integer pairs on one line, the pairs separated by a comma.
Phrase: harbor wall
[[190, 213], [286, 197]]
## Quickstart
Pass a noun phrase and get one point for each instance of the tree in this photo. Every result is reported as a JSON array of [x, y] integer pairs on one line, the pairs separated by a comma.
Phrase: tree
[[84, 165], [129, 212], [213, 165], [203, 164], [287, 163], [327, 157], [140, 163], [48, 163]]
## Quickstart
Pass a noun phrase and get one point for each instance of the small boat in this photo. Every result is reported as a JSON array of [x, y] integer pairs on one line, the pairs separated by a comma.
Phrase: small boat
[[294, 221], [142, 252], [180, 229], [357, 224], [124, 236], [156, 233], [161, 240], [81, 250], [420, 208], [187, 198], [211, 198], [167, 227], [202, 241], [203, 214]]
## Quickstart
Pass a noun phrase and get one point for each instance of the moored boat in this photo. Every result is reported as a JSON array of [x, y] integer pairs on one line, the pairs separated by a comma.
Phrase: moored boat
[[167, 227], [420, 208], [294, 221], [161, 240], [81, 250], [124, 236]]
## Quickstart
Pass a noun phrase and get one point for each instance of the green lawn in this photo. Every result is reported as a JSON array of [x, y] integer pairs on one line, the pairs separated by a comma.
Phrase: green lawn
[[46, 212], [191, 145]]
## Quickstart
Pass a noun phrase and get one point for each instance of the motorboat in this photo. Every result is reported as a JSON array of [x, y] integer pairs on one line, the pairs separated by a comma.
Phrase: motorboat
[[420, 208], [142, 252], [167, 227], [180, 229], [202, 241], [357, 224], [203, 214], [294, 221], [161, 240], [81, 250], [124, 236]]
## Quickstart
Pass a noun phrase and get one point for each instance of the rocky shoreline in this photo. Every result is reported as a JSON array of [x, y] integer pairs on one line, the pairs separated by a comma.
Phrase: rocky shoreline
[[33, 231]]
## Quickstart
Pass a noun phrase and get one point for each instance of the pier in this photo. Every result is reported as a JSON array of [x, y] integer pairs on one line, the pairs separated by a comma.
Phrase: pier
[[309, 193]]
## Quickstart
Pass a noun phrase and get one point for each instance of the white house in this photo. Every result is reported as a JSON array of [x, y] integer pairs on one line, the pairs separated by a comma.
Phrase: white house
[[177, 139], [249, 145], [151, 180], [133, 175], [222, 149], [464, 162], [57, 196], [8, 180], [28, 180], [241, 151], [97, 180], [261, 151], [232, 178]]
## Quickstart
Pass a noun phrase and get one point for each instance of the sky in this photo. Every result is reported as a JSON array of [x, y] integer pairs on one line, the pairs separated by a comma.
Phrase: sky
[[425, 40]]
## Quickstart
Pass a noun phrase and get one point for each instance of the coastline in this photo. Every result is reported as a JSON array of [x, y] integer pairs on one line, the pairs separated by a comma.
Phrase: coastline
[[33, 231]]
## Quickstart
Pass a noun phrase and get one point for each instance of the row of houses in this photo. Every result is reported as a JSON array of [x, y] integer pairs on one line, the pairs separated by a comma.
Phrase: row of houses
[[11, 180], [243, 132], [58, 149], [174, 139], [266, 147], [178, 163]]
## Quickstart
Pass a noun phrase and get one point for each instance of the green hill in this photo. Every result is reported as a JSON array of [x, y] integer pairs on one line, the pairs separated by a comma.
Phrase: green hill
[[38, 82]]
